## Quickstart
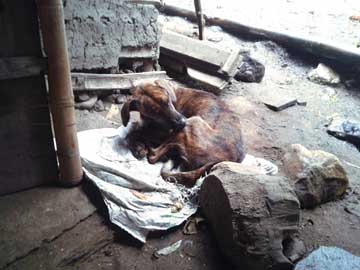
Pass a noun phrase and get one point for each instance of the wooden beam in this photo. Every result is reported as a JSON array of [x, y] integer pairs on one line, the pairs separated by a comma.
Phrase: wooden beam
[[92, 81], [202, 55], [20, 67]]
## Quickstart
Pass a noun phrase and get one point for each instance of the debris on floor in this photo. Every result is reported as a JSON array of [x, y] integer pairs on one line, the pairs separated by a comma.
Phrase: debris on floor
[[345, 129], [250, 70], [88, 104], [329, 258], [323, 74], [99, 106], [82, 97], [253, 216], [279, 103], [316, 176], [295, 249], [168, 250], [192, 225], [188, 248]]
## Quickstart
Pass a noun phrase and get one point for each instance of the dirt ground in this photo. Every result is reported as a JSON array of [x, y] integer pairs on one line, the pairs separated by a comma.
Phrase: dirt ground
[[93, 243]]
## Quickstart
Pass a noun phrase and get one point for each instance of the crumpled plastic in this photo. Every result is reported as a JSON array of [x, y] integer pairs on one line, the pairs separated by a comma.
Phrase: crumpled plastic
[[345, 129], [329, 258], [137, 198]]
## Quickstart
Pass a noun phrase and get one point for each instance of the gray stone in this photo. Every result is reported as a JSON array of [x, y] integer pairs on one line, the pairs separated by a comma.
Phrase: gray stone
[[100, 32], [82, 97], [250, 70], [324, 75], [99, 106], [86, 105], [254, 217], [316, 176]]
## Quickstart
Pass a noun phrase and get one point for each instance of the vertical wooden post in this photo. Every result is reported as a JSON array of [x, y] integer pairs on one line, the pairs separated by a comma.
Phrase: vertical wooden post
[[200, 18], [52, 25]]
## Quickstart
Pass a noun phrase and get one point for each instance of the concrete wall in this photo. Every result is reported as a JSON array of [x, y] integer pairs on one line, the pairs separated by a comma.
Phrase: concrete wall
[[100, 32]]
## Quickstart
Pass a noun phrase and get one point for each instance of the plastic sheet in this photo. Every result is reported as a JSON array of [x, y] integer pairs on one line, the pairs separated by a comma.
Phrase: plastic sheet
[[329, 258], [137, 198]]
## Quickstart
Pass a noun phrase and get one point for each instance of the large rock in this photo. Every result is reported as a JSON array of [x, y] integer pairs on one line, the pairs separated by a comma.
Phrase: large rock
[[316, 176], [254, 217], [102, 33]]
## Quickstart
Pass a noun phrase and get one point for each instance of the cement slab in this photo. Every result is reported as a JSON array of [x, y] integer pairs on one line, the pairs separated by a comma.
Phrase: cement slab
[[32, 217]]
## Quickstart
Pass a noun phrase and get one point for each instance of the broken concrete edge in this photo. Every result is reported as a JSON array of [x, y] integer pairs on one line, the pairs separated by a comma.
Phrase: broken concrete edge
[[323, 48], [94, 81]]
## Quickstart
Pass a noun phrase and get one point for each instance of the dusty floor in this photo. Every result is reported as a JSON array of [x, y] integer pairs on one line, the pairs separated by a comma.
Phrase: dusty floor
[[65, 230]]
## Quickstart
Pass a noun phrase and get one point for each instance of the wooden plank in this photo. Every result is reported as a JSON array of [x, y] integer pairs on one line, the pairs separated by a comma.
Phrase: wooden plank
[[279, 103], [19, 67], [19, 29], [92, 81], [199, 53], [27, 153], [216, 84]]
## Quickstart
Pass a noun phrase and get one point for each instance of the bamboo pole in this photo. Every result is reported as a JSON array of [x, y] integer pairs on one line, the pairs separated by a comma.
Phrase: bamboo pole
[[61, 98], [200, 18]]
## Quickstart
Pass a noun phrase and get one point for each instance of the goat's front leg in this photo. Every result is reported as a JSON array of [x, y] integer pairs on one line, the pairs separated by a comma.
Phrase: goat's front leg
[[155, 154]]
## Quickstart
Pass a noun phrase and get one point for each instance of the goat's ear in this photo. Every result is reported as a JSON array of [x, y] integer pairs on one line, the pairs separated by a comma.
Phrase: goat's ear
[[169, 87], [130, 105]]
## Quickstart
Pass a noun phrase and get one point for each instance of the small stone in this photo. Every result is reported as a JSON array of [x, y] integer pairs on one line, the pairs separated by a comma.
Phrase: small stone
[[316, 176], [81, 97], [250, 70], [99, 106], [324, 75], [87, 105]]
